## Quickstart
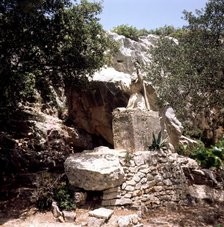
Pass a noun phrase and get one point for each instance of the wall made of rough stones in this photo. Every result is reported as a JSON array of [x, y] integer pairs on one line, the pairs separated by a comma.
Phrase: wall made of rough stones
[[153, 179]]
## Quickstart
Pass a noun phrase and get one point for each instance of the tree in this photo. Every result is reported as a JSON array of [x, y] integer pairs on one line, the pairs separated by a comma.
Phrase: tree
[[45, 40], [190, 71]]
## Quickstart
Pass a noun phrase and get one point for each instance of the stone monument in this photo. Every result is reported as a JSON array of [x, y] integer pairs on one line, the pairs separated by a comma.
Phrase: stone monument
[[133, 126]]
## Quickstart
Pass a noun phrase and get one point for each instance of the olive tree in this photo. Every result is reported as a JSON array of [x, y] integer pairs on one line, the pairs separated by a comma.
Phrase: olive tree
[[189, 72]]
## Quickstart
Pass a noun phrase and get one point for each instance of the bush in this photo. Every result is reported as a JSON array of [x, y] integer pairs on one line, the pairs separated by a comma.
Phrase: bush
[[51, 188], [209, 157], [130, 32], [64, 197]]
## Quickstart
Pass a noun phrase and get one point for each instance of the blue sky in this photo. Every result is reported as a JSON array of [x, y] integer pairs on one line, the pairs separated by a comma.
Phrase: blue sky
[[149, 14]]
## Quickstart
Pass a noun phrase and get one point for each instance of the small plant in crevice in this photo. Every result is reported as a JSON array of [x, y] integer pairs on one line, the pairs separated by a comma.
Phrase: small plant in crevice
[[128, 157], [157, 142], [51, 188]]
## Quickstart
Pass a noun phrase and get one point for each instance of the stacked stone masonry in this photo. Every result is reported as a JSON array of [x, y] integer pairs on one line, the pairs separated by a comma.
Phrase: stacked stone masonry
[[152, 179]]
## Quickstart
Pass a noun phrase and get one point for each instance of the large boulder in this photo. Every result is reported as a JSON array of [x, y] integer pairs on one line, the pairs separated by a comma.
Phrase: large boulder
[[95, 170]]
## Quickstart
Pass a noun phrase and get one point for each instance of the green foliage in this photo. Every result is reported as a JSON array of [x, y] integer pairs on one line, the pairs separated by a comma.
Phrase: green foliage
[[157, 142], [134, 33], [49, 189], [167, 31], [64, 197], [128, 157], [189, 71], [209, 157], [55, 40], [130, 32]]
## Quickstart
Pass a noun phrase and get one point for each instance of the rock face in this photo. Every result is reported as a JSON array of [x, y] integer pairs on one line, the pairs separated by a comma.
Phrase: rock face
[[95, 170], [131, 51], [173, 126], [90, 107], [133, 128]]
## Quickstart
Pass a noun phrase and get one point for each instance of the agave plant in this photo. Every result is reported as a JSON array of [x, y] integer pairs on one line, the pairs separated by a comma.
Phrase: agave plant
[[157, 142]]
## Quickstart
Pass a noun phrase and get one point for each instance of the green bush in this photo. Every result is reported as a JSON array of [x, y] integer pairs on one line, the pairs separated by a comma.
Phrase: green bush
[[130, 32], [209, 157], [51, 188], [64, 197]]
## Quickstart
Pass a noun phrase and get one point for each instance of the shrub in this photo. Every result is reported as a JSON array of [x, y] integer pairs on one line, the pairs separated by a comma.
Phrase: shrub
[[64, 197], [51, 188], [130, 32], [209, 157]]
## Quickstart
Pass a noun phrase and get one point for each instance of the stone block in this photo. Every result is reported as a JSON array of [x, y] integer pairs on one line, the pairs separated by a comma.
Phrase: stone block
[[101, 213], [133, 129]]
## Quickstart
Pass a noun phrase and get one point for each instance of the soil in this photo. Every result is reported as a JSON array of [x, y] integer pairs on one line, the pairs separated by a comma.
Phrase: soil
[[17, 212]]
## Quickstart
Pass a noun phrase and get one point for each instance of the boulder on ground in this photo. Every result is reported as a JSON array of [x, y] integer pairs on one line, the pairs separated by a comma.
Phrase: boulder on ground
[[95, 170]]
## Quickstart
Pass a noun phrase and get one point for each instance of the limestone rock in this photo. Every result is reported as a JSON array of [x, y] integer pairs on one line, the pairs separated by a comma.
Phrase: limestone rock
[[131, 50], [55, 210], [173, 126], [69, 216], [133, 129], [101, 213], [90, 108], [206, 193], [95, 222], [128, 221], [95, 170]]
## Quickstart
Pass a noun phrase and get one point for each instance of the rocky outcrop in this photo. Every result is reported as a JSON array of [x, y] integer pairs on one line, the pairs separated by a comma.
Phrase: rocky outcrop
[[205, 185], [130, 51], [90, 106], [34, 141]]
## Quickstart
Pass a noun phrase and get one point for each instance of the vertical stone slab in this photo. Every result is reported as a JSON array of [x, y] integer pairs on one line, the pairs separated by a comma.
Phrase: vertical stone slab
[[133, 128]]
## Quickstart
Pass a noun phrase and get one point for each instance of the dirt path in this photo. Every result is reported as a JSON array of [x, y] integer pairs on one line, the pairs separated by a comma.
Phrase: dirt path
[[189, 216], [17, 212]]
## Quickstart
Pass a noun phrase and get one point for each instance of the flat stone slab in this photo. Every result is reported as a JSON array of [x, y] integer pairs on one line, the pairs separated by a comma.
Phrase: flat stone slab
[[95, 170], [101, 213]]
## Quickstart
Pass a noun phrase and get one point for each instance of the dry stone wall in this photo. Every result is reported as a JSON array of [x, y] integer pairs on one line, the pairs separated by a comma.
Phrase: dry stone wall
[[153, 179], [141, 179]]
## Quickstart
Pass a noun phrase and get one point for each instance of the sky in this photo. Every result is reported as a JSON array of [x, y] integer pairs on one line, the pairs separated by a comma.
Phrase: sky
[[148, 14]]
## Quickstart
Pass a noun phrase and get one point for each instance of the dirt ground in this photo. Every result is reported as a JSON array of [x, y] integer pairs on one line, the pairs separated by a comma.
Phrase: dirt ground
[[17, 213]]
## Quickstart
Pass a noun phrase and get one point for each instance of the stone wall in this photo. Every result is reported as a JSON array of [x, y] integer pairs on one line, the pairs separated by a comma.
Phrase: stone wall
[[153, 179], [149, 178]]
